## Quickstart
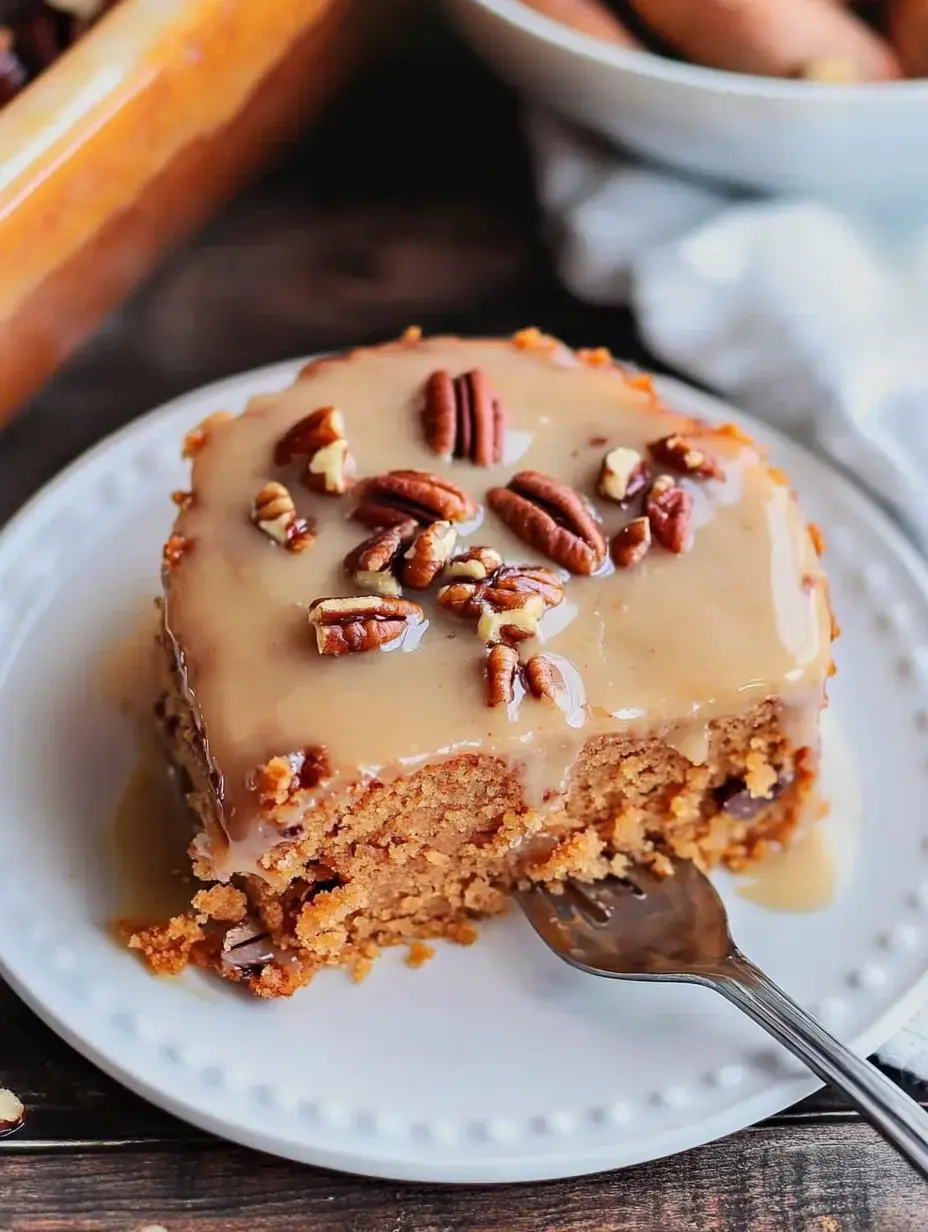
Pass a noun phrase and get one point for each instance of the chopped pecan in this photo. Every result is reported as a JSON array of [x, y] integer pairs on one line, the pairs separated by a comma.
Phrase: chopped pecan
[[670, 510], [398, 495], [374, 562], [278, 779], [425, 558], [361, 623], [476, 564], [319, 437], [330, 469], [512, 624], [630, 546], [502, 673], [462, 417], [174, 549], [274, 513], [197, 437], [553, 518], [310, 434], [624, 475], [544, 678], [680, 454]]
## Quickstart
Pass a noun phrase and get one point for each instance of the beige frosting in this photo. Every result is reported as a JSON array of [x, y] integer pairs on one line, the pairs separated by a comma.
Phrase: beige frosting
[[665, 647]]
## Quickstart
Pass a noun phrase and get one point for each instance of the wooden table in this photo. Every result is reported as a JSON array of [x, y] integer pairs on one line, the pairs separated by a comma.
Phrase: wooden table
[[412, 204]]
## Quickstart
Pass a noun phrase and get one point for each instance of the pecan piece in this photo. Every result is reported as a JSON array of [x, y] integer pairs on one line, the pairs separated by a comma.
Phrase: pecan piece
[[476, 564], [425, 558], [512, 624], [462, 418], [682, 455], [544, 678], [12, 1112], [623, 475], [319, 437], [502, 673], [361, 623], [278, 780], [310, 434], [631, 545], [670, 510], [398, 495], [553, 518], [373, 563], [274, 513]]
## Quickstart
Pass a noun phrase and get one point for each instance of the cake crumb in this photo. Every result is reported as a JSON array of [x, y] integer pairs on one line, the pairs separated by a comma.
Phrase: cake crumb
[[412, 333], [166, 948], [419, 954], [221, 902], [360, 968], [462, 933]]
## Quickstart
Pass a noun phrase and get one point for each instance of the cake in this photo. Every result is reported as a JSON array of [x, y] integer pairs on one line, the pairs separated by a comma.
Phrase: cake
[[448, 616]]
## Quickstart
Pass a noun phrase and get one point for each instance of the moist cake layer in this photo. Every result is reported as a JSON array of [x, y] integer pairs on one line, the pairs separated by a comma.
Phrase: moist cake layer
[[659, 651]]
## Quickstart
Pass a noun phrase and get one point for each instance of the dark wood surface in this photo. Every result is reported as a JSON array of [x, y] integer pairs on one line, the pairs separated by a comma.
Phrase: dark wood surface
[[412, 203]]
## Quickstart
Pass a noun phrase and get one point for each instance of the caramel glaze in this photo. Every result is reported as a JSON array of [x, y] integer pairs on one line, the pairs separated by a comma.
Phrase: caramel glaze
[[664, 648]]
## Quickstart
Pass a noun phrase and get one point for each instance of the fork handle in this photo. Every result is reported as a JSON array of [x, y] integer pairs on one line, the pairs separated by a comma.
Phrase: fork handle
[[901, 1121]]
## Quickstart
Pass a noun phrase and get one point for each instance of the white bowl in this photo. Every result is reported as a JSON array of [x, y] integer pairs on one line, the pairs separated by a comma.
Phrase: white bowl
[[864, 143]]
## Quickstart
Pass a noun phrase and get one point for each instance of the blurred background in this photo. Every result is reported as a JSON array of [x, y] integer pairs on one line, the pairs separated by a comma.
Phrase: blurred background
[[733, 191]]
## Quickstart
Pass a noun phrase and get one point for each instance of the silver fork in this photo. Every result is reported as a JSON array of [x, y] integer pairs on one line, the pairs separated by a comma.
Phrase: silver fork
[[675, 928]]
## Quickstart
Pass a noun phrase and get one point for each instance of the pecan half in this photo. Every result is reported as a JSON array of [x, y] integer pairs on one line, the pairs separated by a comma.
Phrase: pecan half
[[670, 512], [398, 495], [502, 673], [476, 564], [624, 475], [361, 623], [274, 513], [553, 518], [319, 437], [523, 580], [680, 454], [505, 589], [373, 563], [544, 678], [425, 558], [631, 545], [462, 417]]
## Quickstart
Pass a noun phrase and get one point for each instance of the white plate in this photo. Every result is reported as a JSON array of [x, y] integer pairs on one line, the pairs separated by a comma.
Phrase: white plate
[[495, 1063]]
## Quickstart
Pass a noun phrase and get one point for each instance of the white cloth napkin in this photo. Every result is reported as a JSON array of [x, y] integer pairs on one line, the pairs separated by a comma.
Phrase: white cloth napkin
[[806, 315]]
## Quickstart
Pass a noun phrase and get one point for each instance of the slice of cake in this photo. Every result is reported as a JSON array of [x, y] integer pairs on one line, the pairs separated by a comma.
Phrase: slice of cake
[[445, 615]]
